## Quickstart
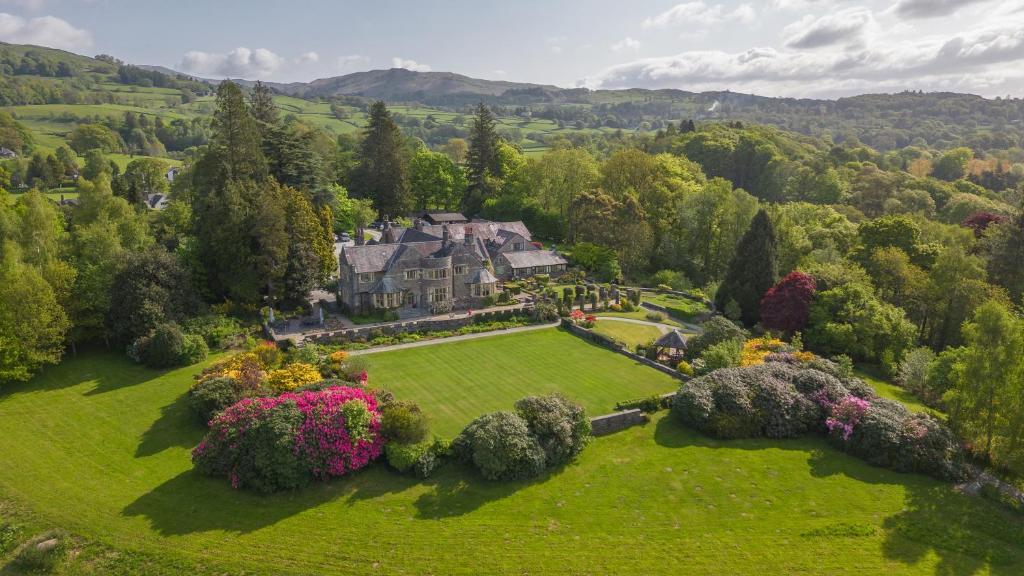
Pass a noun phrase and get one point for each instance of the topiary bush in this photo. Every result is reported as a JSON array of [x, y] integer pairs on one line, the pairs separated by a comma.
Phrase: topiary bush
[[283, 442], [560, 426], [785, 400], [501, 447]]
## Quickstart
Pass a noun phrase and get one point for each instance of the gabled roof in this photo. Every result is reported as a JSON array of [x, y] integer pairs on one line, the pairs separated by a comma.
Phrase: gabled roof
[[369, 257], [444, 217], [384, 286], [531, 258], [482, 276], [406, 235], [484, 230], [671, 339]]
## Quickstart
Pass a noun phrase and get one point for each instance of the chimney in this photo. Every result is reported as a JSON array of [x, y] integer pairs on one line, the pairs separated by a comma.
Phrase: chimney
[[468, 235], [418, 224], [359, 237], [446, 234]]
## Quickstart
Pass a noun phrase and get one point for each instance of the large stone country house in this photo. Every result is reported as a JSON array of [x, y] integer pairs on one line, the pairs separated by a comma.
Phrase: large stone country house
[[435, 268]]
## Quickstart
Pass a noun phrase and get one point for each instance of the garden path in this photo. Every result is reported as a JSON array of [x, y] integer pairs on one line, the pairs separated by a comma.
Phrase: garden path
[[376, 349]]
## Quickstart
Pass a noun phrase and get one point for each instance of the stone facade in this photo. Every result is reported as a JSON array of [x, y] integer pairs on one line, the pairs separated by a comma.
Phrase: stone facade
[[435, 269]]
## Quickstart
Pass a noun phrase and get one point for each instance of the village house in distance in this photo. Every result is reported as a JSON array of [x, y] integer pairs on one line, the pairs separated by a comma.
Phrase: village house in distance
[[442, 263]]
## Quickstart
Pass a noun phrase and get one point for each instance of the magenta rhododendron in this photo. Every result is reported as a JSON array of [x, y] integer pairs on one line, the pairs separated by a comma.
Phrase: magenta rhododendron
[[320, 434], [846, 414]]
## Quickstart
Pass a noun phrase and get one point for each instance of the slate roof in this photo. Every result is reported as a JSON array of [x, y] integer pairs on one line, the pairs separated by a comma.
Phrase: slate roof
[[368, 258], [671, 339], [385, 286], [530, 258], [483, 230], [482, 276], [444, 217]]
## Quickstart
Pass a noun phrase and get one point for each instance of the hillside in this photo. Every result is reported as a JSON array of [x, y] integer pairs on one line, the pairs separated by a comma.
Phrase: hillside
[[531, 113]]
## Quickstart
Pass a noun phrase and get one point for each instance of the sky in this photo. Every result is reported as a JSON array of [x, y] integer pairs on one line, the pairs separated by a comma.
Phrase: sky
[[796, 48]]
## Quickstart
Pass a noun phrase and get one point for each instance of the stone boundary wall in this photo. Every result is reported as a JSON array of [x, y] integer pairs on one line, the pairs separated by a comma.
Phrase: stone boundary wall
[[614, 346], [401, 327], [609, 423]]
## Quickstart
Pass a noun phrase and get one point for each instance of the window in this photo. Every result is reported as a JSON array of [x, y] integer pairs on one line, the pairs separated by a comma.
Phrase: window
[[412, 274], [499, 270], [387, 300], [483, 289], [438, 294], [460, 270], [366, 277], [518, 246], [436, 273]]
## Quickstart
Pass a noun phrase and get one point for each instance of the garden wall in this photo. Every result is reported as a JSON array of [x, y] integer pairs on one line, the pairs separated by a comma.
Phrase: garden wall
[[613, 345], [616, 421], [400, 327]]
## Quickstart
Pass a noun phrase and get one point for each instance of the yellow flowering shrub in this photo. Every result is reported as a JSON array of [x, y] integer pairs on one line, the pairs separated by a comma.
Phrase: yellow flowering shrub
[[292, 376], [338, 357], [756, 350]]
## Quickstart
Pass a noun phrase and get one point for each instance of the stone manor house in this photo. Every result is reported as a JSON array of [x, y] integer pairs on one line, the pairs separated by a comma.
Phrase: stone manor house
[[436, 268]]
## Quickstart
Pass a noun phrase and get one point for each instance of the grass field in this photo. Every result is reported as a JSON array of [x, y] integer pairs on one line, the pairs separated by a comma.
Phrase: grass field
[[682, 308], [894, 392], [458, 381], [100, 447], [628, 333]]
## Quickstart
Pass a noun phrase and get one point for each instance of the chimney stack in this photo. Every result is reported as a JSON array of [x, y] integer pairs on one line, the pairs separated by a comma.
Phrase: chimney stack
[[359, 236], [468, 235], [446, 234], [419, 224]]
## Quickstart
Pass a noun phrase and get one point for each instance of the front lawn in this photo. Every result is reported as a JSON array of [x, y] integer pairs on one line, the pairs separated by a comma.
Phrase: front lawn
[[455, 382], [100, 447], [677, 306]]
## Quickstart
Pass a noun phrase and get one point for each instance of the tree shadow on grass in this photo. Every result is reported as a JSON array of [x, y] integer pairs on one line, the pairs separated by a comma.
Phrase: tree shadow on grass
[[458, 490], [176, 426], [109, 371], [967, 534]]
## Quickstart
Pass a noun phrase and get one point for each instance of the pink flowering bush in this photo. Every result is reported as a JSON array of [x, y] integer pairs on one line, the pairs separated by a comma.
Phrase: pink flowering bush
[[846, 414], [283, 442]]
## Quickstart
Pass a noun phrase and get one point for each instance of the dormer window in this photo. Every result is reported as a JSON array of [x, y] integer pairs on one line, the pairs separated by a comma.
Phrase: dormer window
[[518, 246]]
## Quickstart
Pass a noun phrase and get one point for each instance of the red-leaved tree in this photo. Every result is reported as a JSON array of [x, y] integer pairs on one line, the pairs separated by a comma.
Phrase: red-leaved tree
[[787, 305], [980, 221]]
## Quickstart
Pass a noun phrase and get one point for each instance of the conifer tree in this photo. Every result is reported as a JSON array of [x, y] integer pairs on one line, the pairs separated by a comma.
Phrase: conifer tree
[[235, 145], [483, 162], [381, 175], [752, 271]]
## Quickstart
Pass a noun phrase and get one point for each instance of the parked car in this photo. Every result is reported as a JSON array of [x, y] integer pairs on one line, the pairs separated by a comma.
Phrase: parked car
[[344, 237]]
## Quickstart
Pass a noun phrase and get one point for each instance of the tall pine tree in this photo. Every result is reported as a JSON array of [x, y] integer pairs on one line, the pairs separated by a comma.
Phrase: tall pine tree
[[483, 163], [752, 271], [381, 175]]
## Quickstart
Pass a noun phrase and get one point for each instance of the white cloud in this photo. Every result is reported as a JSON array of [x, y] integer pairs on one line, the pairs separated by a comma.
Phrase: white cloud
[[627, 44], [499, 73], [700, 14], [979, 60], [238, 63], [351, 61], [915, 9], [413, 65], [43, 31], [555, 43], [846, 27], [307, 58]]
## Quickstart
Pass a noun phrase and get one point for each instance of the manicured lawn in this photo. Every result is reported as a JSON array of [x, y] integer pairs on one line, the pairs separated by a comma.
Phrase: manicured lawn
[[458, 381], [627, 332], [682, 308], [894, 392], [100, 447], [639, 315]]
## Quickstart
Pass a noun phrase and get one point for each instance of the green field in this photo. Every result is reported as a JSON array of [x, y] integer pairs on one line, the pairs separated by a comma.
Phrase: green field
[[100, 447], [679, 307], [458, 381], [893, 392], [628, 333]]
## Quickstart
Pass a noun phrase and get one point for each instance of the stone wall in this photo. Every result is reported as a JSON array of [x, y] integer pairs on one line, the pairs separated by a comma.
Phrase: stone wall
[[610, 344], [425, 325], [616, 421]]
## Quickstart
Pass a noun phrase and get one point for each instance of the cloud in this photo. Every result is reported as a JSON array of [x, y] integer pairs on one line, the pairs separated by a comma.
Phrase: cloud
[[627, 44], [700, 14], [916, 9], [307, 58], [413, 65], [846, 27], [43, 31], [554, 43], [351, 61], [979, 60], [238, 63]]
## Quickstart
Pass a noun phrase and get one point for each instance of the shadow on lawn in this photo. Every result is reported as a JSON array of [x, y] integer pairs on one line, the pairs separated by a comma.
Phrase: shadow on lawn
[[176, 426], [966, 533], [459, 490], [110, 371]]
